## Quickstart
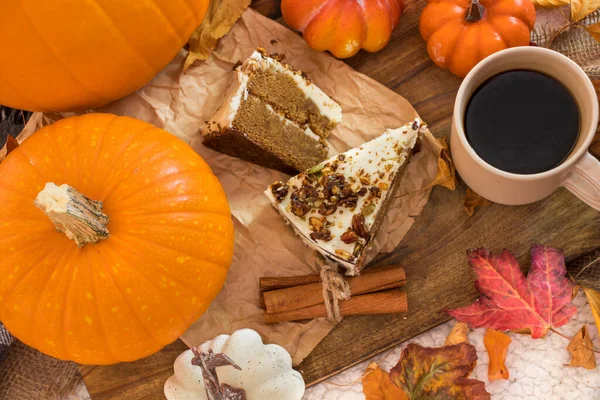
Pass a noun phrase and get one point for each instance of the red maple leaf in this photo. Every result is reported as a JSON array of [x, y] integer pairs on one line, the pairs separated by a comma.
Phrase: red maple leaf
[[509, 301]]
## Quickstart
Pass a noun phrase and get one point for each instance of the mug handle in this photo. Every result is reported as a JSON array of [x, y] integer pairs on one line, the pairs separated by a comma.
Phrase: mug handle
[[583, 180]]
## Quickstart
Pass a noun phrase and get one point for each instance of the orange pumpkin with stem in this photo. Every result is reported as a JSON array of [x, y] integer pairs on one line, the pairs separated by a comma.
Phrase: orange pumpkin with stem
[[65, 55], [344, 26], [126, 257], [460, 33]]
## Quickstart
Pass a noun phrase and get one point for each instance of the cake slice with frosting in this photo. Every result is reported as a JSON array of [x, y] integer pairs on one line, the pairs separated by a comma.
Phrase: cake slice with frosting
[[337, 206], [274, 116]]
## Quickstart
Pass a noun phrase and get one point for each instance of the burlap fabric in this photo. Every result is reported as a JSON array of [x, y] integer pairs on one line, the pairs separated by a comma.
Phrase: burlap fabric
[[26, 374], [575, 43]]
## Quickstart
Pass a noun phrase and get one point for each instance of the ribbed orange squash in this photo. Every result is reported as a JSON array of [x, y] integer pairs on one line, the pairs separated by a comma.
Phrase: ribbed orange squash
[[61, 55], [344, 26], [460, 33], [135, 283]]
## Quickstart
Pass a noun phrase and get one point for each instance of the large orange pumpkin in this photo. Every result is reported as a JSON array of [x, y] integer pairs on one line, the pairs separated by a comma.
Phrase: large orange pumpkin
[[61, 55], [118, 274], [460, 33], [344, 26]]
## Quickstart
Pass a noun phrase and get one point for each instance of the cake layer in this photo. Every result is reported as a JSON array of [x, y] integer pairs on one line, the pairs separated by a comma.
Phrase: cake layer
[[267, 115], [291, 92], [336, 207], [260, 135]]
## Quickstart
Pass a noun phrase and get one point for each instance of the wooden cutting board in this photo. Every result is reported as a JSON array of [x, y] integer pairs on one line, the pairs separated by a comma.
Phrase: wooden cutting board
[[433, 252]]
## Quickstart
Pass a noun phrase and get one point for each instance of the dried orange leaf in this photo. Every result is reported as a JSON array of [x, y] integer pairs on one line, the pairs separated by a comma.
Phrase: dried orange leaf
[[458, 334], [7, 144], [594, 299], [582, 8], [551, 3], [594, 30], [219, 19], [496, 343], [446, 175], [377, 385], [581, 350], [438, 373], [473, 200]]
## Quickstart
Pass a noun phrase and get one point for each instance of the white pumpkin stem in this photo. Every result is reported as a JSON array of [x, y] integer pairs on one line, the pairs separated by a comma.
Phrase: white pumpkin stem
[[75, 215], [475, 11]]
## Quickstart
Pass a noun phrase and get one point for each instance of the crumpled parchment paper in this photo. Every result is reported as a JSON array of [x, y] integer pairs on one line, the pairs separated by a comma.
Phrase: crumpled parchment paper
[[264, 245]]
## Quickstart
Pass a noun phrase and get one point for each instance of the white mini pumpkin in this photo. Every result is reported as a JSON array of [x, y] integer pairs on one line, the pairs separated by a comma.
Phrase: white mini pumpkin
[[266, 370]]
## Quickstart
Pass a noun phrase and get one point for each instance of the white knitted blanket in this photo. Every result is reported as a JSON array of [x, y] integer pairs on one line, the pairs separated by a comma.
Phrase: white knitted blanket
[[535, 366]]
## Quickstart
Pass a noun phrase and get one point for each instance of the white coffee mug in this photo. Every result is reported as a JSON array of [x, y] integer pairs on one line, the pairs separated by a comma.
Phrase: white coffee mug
[[580, 172]]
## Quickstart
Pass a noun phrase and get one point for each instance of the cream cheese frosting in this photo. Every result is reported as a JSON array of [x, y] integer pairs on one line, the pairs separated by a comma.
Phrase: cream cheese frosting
[[335, 205]]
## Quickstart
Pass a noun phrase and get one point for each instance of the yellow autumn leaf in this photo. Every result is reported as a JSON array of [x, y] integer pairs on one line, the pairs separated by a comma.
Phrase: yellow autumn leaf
[[582, 8], [446, 175], [472, 201], [594, 30], [550, 3], [219, 19], [594, 300], [458, 334]]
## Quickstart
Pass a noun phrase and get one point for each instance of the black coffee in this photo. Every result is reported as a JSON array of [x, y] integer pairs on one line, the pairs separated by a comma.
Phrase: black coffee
[[522, 122]]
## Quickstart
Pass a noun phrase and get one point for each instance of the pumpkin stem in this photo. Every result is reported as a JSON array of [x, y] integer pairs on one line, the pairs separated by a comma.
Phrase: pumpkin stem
[[475, 11], [75, 215]]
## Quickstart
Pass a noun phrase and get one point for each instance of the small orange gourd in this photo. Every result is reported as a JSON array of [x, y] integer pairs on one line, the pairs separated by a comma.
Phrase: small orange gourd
[[66, 55], [344, 26], [115, 237], [460, 33]]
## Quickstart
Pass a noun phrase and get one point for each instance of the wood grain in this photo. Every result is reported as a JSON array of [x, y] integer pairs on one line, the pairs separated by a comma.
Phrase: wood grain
[[140, 380], [433, 252]]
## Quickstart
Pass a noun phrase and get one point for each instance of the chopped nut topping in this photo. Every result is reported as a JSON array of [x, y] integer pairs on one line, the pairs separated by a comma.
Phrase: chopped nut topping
[[342, 157], [299, 207], [315, 169], [306, 192], [358, 225], [368, 209], [364, 180], [349, 201], [382, 185], [279, 190], [358, 247], [375, 191], [349, 237], [362, 191], [316, 224], [335, 184], [323, 234], [345, 255], [327, 208]]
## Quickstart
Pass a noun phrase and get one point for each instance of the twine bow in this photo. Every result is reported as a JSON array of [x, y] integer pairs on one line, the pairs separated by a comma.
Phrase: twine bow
[[335, 288]]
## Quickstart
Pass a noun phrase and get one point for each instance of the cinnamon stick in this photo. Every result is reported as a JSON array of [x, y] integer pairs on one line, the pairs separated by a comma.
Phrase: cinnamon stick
[[268, 283], [298, 297], [388, 302], [281, 282]]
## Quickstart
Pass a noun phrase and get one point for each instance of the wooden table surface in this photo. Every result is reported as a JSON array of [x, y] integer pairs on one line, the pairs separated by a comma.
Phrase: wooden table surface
[[433, 252]]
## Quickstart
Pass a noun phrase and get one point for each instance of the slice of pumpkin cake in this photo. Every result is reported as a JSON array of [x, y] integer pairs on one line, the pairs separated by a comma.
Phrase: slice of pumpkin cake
[[337, 206], [273, 116]]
